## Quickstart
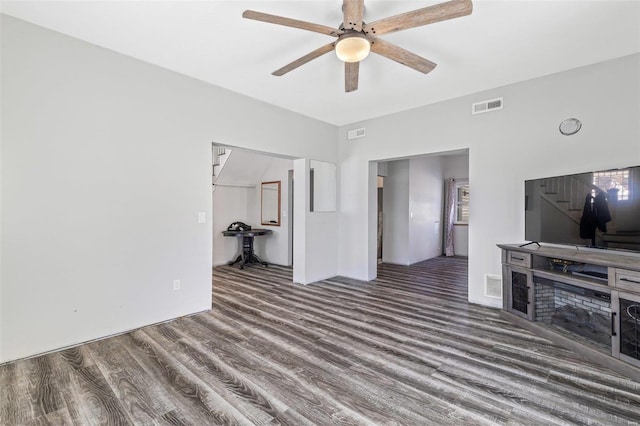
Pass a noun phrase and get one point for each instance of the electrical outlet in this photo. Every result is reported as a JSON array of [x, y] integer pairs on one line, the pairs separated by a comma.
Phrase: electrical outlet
[[176, 284]]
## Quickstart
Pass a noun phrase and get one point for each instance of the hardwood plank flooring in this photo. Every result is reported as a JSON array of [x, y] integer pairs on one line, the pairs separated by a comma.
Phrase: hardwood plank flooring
[[406, 348]]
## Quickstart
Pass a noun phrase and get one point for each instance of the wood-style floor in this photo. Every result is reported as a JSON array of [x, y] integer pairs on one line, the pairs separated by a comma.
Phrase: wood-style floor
[[406, 348]]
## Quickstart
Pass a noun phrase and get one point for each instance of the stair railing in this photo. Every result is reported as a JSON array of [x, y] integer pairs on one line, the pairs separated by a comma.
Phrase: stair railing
[[568, 194]]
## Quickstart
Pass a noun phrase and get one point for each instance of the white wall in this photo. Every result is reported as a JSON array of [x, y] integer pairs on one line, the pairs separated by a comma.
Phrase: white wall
[[274, 248], [301, 207], [412, 206], [457, 167], [314, 252], [395, 216], [324, 188], [106, 164], [505, 148], [425, 208], [230, 204]]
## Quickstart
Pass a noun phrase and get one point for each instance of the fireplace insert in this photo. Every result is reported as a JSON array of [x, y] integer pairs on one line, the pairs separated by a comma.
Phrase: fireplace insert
[[583, 313]]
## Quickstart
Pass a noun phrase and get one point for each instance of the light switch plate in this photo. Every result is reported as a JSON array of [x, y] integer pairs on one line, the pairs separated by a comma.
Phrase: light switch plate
[[202, 217]]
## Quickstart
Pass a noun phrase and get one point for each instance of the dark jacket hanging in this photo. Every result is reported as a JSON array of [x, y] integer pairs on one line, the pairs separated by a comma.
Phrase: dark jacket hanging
[[602, 211], [588, 222], [595, 215]]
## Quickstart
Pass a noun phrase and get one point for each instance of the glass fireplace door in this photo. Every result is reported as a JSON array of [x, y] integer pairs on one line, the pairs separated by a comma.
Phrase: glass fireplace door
[[627, 328], [520, 292]]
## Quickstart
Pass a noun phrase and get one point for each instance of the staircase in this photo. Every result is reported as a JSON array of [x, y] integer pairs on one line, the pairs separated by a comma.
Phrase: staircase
[[567, 194], [219, 155]]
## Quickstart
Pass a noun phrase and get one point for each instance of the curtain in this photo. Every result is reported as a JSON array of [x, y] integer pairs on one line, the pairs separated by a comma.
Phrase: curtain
[[450, 216]]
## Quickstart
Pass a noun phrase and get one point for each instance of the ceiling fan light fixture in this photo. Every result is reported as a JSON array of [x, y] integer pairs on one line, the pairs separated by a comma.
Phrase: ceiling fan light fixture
[[354, 38], [352, 47]]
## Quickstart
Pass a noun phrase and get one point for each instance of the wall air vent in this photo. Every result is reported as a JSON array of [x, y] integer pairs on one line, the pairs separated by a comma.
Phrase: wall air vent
[[486, 106], [493, 286], [356, 133]]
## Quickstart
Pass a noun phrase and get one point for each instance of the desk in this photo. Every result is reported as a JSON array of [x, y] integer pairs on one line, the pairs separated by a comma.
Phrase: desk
[[247, 256]]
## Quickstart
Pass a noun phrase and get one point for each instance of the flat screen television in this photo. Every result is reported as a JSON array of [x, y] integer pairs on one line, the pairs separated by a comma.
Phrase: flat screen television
[[595, 209]]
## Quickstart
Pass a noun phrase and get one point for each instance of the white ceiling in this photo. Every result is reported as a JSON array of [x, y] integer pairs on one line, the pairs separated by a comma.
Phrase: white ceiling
[[502, 42]]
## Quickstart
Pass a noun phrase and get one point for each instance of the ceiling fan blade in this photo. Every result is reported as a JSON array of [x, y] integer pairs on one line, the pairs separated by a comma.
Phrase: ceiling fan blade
[[288, 22], [303, 60], [351, 70], [398, 54], [353, 10], [416, 18]]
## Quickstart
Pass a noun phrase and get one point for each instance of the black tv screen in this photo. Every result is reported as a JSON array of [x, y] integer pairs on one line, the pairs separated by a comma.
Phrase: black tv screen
[[596, 209]]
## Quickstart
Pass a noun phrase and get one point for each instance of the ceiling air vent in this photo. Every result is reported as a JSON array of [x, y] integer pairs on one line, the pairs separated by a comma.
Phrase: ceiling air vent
[[356, 133], [486, 106]]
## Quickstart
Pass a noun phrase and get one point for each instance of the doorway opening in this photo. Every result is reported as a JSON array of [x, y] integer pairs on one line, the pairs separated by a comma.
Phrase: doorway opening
[[411, 198], [239, 179]]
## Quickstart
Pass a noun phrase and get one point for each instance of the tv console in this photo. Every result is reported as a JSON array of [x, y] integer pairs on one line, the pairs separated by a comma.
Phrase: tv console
[[582, 299]]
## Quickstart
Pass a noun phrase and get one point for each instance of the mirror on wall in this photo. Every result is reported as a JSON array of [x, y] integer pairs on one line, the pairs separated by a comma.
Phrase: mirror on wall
[[322, 184], [270, 203]]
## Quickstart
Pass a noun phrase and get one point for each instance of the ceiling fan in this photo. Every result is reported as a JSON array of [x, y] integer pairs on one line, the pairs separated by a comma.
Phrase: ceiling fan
[[355, 38]]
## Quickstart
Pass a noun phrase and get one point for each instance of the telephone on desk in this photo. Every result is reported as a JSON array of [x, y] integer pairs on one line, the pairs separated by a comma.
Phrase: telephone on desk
[[244, 231], [239, 226]]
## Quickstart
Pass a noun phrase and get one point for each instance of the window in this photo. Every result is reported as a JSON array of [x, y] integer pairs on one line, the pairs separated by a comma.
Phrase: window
[[462, 202], [618, 179]]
